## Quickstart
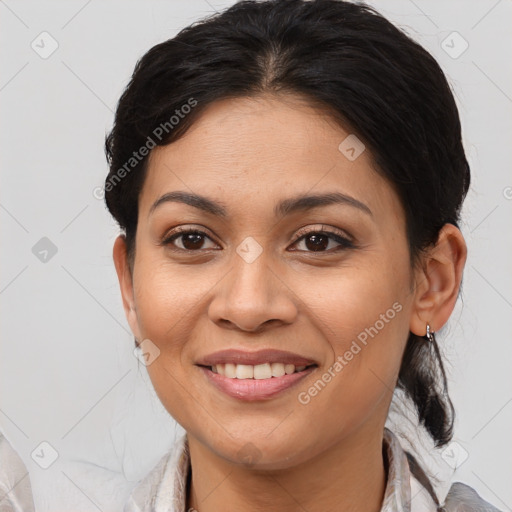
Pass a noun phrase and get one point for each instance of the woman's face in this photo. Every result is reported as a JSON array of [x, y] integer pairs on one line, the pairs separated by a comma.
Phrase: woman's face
[[260, 277]]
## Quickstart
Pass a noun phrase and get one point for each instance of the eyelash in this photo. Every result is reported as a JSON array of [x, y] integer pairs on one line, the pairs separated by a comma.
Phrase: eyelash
[[344, 242]]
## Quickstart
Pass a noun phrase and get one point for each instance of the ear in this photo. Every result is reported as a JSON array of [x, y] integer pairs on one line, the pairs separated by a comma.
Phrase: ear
[[438, 281], [125, 278]]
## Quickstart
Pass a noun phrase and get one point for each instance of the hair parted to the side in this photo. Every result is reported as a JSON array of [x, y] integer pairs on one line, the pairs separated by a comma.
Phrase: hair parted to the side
[[339, 56]]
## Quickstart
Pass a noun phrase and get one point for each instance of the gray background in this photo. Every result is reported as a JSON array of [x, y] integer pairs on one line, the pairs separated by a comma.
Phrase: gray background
[[68, 374]]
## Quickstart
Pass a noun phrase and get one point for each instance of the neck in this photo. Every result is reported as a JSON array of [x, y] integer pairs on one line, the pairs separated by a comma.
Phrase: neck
[[348, 477]]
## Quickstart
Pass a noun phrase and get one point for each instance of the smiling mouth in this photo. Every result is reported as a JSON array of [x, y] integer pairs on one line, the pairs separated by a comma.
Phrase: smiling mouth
[[256, 383], [256, 372]]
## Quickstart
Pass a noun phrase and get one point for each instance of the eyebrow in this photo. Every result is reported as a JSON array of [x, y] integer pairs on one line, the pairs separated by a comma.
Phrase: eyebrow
[[285, 207]]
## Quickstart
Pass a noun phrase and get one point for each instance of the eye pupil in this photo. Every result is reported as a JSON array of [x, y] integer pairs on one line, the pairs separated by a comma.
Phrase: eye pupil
[[319, 242], [192, 241]]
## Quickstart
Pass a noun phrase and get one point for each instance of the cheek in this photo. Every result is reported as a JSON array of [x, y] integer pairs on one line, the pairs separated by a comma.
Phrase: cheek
[[361, 302], [167, 298], [363, 314], [169, 307]]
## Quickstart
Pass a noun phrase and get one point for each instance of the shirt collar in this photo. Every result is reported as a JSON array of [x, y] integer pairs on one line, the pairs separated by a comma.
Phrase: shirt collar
[[165, 488]]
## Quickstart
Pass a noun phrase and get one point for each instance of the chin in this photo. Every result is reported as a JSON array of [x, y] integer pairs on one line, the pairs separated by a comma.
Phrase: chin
[[262, 452]]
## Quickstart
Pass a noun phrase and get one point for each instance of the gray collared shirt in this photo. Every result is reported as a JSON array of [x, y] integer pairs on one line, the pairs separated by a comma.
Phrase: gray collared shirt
[[164, 489]]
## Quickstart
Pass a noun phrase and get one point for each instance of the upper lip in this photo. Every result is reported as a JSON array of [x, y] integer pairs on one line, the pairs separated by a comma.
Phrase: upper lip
[[254, 358]]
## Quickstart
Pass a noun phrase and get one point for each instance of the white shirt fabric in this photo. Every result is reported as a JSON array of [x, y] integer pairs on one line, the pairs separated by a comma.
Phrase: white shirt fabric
[[164, 489], [15, 489]]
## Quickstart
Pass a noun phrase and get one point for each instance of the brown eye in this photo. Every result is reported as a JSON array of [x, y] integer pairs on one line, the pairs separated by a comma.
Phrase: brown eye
[[321, 241], [316, 242], [191, 240]]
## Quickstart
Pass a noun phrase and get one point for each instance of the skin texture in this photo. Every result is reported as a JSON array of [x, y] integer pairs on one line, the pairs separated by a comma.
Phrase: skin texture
[[248, 154]]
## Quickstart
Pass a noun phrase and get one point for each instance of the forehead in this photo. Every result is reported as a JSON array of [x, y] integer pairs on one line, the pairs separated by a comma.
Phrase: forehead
[[253, 152]]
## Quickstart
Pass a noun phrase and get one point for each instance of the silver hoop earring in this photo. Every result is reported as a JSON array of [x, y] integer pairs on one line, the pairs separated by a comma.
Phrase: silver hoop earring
[[430, 335]]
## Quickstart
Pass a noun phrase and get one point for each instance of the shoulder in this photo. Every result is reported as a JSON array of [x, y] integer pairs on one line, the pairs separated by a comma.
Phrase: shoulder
[[463, 498], [142, 496], [163, 488], [460, 497], [15, 487]]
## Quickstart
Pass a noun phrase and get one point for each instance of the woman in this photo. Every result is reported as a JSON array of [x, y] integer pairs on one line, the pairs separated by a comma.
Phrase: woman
[[288, 176]]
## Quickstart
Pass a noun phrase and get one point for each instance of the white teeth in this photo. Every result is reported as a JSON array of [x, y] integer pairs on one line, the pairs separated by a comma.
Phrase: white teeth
[[262, 371], [277, 369], [229, 370], [259, 371], [289, 369], [244, 371]]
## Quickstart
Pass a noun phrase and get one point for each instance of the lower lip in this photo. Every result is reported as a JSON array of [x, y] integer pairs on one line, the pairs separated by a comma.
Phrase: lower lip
[[255, 389]]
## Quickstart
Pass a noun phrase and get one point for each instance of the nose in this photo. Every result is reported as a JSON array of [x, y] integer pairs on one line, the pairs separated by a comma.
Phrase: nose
[[252, 297]]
